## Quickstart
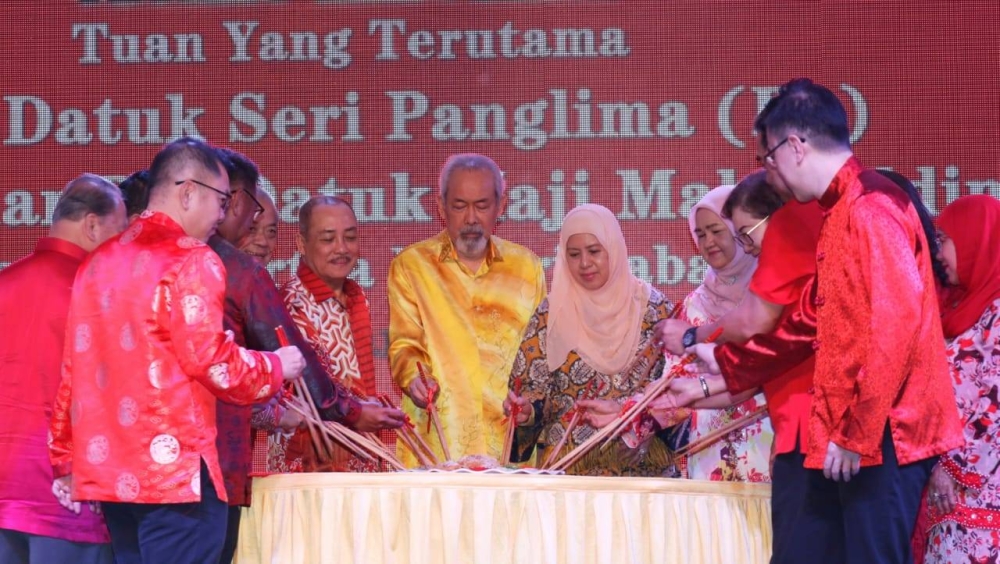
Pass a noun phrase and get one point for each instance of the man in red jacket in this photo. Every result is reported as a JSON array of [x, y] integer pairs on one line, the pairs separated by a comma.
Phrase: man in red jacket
[[146, 356]]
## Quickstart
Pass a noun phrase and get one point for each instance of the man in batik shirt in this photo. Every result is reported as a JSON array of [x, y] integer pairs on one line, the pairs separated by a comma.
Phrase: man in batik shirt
[[145, 359], [330, 309], [34, 299], [458, 305]]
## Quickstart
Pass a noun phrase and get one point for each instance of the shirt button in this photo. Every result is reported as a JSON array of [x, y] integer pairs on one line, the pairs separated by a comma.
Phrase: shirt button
[[812, 390], [815, 345], [820, 256], [820, 300]]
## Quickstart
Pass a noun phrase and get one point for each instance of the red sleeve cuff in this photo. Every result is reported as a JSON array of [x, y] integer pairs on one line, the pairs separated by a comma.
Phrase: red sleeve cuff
[[728, 363], [353, 413], [61, 470]]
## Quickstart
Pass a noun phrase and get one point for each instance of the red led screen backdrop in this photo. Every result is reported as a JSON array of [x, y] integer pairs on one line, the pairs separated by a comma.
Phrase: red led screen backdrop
[[640, 106]]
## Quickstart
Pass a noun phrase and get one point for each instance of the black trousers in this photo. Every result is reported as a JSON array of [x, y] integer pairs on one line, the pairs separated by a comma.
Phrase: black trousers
[[868, 520], [800, 535], [232, 534], [171, 532]]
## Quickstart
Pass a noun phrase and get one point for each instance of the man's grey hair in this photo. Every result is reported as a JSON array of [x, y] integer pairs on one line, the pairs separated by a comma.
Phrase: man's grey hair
[[470, 161], [87, 193]]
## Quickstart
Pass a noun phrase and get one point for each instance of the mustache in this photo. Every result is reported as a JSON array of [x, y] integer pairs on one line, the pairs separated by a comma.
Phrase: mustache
[[472, 230]]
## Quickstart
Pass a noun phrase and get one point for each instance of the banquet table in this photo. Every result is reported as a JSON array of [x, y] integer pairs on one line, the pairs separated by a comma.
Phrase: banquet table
[[480, 518]]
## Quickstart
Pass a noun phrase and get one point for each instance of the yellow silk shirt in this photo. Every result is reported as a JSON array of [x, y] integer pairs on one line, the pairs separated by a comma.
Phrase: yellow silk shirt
[[465, 328]]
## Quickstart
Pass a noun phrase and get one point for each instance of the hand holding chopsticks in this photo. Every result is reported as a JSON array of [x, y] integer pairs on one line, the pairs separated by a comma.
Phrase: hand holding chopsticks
[[323, 433], [592, 390], [628, 415], [514, 405], [305, 407], [432, 414]]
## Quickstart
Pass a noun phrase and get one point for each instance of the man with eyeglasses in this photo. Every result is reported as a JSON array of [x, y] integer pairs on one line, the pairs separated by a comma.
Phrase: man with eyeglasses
[[146, 358], [253, 309], [883, 406]]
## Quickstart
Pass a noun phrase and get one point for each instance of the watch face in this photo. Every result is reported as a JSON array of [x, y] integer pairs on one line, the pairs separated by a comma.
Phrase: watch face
[[689, 337]]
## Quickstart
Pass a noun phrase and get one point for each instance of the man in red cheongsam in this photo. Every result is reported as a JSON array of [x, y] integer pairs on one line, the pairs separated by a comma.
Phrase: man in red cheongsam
[[883, 407], [146, 356]]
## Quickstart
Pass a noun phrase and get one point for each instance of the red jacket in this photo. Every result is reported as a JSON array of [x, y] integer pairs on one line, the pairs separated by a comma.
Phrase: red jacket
[[145, 359]]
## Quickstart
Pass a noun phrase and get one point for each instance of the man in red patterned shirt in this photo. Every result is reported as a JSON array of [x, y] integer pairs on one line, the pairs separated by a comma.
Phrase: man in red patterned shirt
[[331, 310], [883, 407], [145, 359]]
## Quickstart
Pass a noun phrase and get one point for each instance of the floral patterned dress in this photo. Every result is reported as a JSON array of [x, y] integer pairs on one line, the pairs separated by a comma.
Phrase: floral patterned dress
[[740, 456], [553, 395], [971, 533]]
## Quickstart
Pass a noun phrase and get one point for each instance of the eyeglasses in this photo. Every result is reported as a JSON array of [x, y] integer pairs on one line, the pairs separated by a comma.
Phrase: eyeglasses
[[260, 208], [744, 238], [769, 156], [226, 196]]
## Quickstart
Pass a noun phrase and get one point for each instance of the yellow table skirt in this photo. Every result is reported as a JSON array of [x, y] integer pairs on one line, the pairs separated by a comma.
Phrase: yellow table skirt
[[430, 518]]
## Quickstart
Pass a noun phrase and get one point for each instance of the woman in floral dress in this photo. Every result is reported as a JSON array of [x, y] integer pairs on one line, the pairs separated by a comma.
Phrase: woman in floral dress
[[964, 492]]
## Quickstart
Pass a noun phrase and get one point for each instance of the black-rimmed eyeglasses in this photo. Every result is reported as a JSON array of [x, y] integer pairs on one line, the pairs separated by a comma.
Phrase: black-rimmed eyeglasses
[[226, 196], [256, 202], [769, 156]]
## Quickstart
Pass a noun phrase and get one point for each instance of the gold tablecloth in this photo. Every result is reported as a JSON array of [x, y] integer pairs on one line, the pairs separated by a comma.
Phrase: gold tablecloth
[[430, 518]]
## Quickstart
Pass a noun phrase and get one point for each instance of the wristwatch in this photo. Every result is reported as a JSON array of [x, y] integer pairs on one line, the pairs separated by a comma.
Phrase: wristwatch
[[690, 337]]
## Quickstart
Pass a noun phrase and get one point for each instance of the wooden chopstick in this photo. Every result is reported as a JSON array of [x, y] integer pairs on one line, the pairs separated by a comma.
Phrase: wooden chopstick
[[562, 441], [432, 413], [713, 437], [654, 391], [417, 445], [615, 428]]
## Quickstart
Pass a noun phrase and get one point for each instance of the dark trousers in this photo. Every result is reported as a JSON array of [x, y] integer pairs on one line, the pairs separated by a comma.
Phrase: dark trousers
[[23, 548], [232, 534], [169, 533], [876, 511], [800, 535]]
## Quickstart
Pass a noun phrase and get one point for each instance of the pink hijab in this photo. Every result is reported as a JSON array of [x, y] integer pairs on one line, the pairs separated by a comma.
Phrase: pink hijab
[[603, 326], [723, 289]]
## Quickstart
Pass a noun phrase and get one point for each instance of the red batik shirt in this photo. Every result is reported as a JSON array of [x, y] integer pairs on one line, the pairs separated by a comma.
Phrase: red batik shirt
[[341, 333], [34, 299], [145, 359], [872, 319]]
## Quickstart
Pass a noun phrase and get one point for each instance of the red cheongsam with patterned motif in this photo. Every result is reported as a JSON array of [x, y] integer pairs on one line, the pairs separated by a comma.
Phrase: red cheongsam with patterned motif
[[145, 359]]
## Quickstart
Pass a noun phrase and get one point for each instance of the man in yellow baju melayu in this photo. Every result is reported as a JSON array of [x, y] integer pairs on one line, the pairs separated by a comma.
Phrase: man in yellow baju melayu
[[458, 305]]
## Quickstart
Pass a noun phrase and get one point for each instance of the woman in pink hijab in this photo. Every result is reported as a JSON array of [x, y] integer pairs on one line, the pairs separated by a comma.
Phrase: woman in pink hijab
[[590, 339], [742, 455]]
